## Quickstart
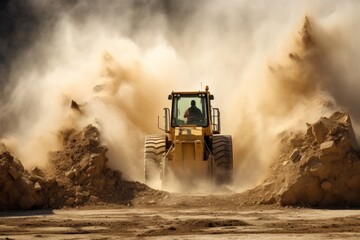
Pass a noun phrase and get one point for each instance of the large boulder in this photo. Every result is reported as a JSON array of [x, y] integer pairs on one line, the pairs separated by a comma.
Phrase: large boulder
[[319, 167]]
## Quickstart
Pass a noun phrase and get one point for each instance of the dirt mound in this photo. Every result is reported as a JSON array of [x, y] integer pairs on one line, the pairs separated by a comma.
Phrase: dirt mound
[[77, 175], [19, 189], [318, 167], [80, 174]]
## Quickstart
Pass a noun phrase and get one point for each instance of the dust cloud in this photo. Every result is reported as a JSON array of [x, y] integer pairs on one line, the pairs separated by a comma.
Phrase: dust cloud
[[270, 68]]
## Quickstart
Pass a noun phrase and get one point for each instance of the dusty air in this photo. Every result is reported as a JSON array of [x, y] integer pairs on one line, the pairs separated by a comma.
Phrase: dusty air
[[179, 119]]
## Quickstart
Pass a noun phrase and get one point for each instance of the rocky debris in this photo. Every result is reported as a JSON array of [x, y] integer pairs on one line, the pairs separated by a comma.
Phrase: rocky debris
[[81, 175], [18, 188], [77, 175], [322, 167], [75, 106]]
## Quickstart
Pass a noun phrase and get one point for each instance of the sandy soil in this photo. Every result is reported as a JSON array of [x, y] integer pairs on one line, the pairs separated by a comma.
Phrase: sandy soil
[[175, 216]]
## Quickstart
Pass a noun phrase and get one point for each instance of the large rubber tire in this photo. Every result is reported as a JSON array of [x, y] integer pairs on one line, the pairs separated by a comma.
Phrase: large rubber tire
[[155, 146], [223, 159]]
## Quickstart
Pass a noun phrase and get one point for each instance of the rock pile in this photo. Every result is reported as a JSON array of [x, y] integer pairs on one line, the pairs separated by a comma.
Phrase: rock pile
[[319, 167], [77, 175], [81, 174], [19, 189]]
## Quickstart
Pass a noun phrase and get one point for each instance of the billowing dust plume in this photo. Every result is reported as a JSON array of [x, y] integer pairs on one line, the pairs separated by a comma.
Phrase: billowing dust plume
[[270, 67]]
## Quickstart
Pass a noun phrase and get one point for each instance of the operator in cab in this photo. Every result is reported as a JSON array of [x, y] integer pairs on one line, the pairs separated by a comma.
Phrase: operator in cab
[[193, 114]]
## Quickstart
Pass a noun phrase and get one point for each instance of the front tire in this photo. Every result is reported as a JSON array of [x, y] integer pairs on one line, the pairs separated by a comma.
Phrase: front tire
[[223, 159], [155, 146]]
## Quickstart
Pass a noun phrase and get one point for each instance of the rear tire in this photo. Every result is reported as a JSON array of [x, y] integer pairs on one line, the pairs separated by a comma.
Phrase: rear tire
[[223, 159], [155, 146]]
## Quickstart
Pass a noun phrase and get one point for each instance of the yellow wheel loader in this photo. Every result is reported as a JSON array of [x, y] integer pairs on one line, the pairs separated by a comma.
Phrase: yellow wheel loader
[[192, 149]]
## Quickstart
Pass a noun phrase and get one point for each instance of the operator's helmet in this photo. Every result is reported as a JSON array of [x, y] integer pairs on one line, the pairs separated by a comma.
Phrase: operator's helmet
[[193, 103]]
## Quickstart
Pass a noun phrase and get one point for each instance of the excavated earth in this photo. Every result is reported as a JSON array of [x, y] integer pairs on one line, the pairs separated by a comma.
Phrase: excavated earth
[[319, 167], [77, 175]]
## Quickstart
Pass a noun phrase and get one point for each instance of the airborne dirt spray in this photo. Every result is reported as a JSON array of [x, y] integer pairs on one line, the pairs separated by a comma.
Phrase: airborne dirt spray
[[120, 59]]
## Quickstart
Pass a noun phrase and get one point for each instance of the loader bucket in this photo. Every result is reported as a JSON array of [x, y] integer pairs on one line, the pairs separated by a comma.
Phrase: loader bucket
[[185, 165]]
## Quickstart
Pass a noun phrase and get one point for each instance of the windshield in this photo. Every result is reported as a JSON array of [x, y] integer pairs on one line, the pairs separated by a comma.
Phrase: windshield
[[189, 109]]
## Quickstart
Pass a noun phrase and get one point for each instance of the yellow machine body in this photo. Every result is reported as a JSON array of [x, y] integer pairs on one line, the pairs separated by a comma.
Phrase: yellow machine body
[[192, 151], [185, 162], [186, 159]]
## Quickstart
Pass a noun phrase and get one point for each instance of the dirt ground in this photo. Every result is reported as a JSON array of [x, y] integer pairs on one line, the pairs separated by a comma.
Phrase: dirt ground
[[181, 216]]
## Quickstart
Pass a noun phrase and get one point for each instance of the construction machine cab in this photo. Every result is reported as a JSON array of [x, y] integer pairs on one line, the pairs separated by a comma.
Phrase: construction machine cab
[[192, 109], [189, 109]]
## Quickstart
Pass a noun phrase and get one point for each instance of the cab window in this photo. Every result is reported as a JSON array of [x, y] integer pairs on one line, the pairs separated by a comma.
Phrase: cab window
[[189, 110]]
